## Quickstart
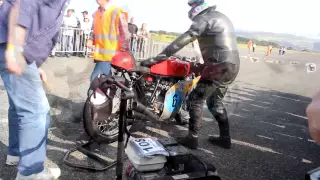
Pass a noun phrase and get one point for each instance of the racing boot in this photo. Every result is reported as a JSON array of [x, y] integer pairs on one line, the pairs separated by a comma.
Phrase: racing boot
[[224, 139], [191, 141]]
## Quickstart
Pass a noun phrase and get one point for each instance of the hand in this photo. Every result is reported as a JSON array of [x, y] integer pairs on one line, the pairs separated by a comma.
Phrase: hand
[[11, 63], [148, 62], [313, 114], [43, 76], [89, 44]]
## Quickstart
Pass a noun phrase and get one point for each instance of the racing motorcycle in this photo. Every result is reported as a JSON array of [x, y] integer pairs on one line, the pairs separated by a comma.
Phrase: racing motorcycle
[[162, 89]]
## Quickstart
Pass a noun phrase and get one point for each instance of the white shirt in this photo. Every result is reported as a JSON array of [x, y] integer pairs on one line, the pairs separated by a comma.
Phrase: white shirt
[[86, 27], [69, 22]]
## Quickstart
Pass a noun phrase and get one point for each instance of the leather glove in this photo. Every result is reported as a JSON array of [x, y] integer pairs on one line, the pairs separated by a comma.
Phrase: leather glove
[[152, 61], [148, 62]]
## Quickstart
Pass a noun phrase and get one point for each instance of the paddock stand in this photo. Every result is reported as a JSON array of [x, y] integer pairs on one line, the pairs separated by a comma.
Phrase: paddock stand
[[120, 149]]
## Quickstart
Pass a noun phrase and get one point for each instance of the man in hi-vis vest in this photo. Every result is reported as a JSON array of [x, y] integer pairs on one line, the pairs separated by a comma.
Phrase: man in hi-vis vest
[[110, 35]]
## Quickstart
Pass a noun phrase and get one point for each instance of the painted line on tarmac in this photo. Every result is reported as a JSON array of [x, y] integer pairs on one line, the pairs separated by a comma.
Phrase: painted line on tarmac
[[279, 126], [296, 115], [257, 147], [237, 115], [265, 137], [288, 135], [207, 151], [310, 140], [306, 161], [297, 100], [254, 146]]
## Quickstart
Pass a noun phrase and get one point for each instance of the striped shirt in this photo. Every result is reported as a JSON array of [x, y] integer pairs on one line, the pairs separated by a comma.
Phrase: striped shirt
[[42, 28]]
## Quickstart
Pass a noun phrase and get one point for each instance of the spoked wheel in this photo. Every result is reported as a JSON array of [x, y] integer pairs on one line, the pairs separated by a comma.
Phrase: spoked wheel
[[105, 131]]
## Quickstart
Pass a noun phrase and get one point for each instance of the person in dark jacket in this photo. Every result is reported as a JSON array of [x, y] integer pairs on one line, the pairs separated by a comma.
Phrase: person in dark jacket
[[133, 29], [217, 40]]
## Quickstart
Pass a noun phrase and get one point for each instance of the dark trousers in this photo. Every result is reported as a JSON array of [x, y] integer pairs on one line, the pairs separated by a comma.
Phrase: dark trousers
[[212, 91]]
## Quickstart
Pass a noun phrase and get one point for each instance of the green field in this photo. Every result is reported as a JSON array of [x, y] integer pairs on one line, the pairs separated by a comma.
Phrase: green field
[[170, 38]]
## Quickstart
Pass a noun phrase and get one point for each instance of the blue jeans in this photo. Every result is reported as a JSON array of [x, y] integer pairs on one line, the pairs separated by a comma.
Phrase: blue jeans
[[102, 67], [28, 117]]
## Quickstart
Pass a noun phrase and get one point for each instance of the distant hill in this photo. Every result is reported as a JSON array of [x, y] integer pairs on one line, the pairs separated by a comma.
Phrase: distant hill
[[264, 38], [289, 40]]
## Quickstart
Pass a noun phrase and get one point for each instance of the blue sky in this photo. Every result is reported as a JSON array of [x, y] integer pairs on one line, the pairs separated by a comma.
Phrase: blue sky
[[280, 16]]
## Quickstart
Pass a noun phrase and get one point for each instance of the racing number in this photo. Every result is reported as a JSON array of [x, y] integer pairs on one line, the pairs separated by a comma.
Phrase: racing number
[[175, 99], [143, 143]]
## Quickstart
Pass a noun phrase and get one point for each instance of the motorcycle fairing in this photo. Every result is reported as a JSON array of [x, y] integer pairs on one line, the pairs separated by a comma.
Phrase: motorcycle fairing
[[175, 96]]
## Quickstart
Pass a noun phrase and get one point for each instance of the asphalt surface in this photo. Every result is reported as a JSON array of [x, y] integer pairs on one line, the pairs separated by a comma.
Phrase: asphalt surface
[[266, 106]]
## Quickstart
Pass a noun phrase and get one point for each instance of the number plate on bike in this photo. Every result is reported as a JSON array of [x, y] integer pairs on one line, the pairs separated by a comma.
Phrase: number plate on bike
[[148, 146]]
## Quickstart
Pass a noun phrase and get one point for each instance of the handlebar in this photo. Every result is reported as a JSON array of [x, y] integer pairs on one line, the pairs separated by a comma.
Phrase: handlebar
[[176, 56], [107, 80], [102, 79]]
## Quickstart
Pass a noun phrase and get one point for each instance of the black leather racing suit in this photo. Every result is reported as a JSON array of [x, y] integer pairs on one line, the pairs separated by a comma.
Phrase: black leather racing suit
[[215, 34]]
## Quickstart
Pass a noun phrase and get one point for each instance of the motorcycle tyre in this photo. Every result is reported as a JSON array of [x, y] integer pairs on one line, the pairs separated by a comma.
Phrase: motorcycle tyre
[[92, 131]]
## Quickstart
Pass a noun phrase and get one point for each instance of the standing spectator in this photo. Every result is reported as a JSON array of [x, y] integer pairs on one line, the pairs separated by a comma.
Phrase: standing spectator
[[143, 35], [270, 49], [29, 38], [280, 50], [77, 37], [283, 50], [69, 23], [85, 14], [254, 47], [110, 35], [133, 29], [249, 45], [86, 27]]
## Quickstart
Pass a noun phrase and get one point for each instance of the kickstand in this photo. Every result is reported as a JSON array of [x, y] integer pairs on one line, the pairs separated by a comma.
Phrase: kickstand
[[83, 149]]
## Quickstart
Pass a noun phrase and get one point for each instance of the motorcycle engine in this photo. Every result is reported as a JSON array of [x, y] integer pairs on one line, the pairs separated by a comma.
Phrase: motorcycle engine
[[155, 94]]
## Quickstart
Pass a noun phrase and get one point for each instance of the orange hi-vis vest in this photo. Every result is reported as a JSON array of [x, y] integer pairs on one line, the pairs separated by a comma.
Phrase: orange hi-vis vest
[[106, 33]]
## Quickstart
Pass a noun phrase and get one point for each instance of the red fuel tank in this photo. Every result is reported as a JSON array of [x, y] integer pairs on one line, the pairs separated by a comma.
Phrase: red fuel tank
[[123, 60], [171, 67]]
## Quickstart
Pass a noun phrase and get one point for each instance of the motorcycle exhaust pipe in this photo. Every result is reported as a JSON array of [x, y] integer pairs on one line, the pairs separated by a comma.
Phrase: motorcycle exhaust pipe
[[140, 108], [139, 116]]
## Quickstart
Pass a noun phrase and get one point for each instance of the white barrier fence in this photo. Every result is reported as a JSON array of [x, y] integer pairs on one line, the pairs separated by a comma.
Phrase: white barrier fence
[[72, 41]]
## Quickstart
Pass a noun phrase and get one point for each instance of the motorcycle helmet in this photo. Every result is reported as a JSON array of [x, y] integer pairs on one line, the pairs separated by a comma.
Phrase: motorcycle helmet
[[197, 6]]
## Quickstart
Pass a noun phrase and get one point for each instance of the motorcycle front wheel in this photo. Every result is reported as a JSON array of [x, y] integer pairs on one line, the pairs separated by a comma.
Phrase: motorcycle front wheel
[[102, 131]]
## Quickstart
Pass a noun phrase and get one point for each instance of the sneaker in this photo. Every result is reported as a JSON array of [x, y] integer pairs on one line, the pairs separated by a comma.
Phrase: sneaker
[[47, 174], [12, 160], [222, 141]]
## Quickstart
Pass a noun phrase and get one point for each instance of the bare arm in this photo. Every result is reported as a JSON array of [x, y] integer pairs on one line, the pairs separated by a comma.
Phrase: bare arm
[[124, 32], [92, 28], [17, 33], [20, 19]]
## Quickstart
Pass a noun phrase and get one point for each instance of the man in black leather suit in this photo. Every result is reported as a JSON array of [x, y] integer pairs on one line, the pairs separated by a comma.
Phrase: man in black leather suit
[[215, 34]]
